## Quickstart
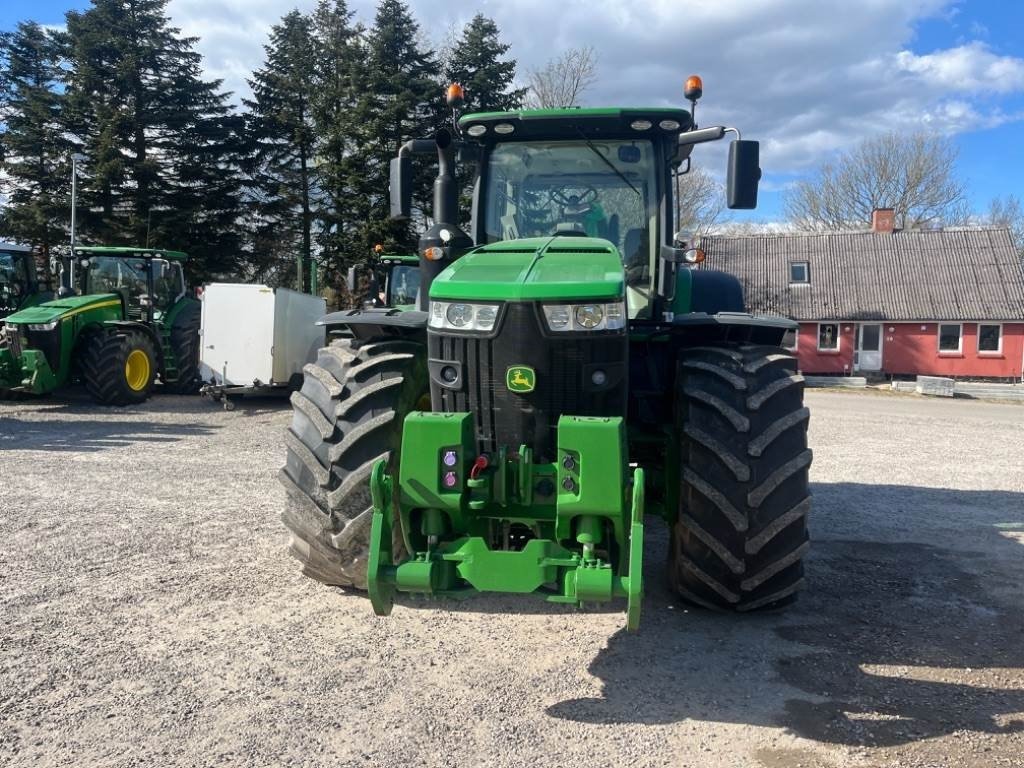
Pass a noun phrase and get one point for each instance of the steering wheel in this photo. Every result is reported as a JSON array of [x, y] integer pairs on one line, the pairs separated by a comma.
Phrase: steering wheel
[[559, 196]]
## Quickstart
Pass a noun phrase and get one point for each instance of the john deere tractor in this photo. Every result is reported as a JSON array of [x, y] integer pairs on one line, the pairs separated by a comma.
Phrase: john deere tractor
[[393, 279], [121, 319], [568, 370], [19, 282]]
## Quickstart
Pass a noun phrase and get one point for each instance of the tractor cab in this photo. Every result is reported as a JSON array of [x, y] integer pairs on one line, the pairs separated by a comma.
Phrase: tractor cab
[[148, 281], [18, 283]]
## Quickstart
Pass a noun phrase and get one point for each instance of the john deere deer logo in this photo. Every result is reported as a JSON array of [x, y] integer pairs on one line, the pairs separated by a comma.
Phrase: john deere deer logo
[[520, 378]]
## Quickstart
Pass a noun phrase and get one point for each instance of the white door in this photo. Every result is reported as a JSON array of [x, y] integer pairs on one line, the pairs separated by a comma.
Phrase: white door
[[869, 347]]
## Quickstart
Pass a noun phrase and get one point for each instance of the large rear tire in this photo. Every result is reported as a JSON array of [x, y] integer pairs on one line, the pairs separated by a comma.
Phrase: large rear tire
[[118, 366], [347, 415], [741, 531], [184, 338]]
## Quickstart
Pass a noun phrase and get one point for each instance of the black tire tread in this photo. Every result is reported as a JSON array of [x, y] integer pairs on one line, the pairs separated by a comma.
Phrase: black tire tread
[[101, 356], [740, 537], [185, 343], [347, 415]]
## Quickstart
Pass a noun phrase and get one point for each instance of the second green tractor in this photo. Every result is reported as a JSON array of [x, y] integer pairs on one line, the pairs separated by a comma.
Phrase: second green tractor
[[122, 319], [570, 369]]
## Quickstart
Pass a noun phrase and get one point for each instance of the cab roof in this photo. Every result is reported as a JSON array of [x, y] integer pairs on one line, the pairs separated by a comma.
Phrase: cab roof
[[110, 250], [569, 122], [12, 248]]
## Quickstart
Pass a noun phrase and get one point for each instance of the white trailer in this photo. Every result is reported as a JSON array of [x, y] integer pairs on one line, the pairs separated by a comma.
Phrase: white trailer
[[255, 339]]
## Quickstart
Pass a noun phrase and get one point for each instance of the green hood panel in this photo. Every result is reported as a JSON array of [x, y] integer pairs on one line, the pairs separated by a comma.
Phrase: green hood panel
[[537, 269], [72, 305]]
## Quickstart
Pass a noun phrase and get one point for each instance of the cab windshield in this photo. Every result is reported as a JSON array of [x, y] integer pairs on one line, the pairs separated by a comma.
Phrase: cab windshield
[[13, 280], [601, 188], [127, 276], [403, 284]]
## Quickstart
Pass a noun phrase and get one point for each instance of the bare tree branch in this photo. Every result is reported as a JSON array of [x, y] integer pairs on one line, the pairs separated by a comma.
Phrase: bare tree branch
[[1008, 212], [563, 80], [913, 174], [701, 202]]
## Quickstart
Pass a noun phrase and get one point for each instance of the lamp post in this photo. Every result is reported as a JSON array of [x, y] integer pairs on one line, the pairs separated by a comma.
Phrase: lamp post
[[76, 158]]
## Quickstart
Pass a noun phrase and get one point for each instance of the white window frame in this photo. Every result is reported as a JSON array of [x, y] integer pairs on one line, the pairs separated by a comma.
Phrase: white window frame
[[807, 272], [960, 340], [977, 339], [839, 338], [796, 341]]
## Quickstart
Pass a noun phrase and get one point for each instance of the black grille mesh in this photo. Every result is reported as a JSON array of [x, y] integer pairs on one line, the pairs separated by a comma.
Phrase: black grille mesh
[[564, 364]]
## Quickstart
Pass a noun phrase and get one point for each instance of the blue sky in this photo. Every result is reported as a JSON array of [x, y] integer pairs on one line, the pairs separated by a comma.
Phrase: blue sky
[[807, 77]]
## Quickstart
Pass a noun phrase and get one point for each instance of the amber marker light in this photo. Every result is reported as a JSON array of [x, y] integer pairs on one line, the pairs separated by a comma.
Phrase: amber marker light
[[455, 95], [694, 88], [378, 248]]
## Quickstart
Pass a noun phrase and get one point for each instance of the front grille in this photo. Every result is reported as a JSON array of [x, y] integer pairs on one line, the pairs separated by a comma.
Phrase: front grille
[[564, 364], [47, 342]]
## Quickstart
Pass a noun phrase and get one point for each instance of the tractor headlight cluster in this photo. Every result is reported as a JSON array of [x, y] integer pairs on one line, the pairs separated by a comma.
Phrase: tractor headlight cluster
[[43, 326], [463, 316], [586, 317]]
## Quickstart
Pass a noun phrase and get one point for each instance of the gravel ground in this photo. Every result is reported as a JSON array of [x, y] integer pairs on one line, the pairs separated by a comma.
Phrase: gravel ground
[[151, 617]]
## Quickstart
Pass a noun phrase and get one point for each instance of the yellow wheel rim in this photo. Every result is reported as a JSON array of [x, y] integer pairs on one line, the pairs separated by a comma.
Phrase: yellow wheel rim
[[136, 370]]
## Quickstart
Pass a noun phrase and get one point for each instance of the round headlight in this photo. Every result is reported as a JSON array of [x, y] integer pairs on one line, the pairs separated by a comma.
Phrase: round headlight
[[669, 125], [459, 315], [558, 317], [589, 315], [504, 128], [641, 125], [485, 317], [476, 130]]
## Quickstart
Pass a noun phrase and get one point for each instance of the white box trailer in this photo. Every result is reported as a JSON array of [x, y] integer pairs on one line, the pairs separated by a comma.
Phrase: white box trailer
[[256, 339]]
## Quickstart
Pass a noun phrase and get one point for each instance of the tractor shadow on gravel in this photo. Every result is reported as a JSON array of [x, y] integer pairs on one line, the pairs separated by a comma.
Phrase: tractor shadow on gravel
[[891, 642], [90, 436]]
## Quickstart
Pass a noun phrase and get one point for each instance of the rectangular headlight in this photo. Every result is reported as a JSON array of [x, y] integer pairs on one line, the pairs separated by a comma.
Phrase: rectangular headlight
[[43, 326], [586, 317], [463, 316]]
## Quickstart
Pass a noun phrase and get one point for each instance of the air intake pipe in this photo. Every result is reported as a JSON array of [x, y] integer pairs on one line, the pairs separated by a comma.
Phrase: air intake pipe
[[444, 241]]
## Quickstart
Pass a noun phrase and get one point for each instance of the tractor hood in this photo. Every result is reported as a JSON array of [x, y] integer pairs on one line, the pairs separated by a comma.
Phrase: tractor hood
[[49, 311], [537, 269]]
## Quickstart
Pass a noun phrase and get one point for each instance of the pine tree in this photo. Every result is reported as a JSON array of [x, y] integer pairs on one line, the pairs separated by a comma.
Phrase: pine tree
[[284, 133], [34, 152], [340, 76], [475, 61], [163, 150], [402, 99]]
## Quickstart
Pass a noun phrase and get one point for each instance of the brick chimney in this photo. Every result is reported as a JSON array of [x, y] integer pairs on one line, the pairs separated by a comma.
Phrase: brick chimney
[[883, 221]]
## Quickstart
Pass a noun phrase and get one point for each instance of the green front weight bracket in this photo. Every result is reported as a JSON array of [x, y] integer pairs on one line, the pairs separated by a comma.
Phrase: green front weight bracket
[[380, 569], [634, 583]]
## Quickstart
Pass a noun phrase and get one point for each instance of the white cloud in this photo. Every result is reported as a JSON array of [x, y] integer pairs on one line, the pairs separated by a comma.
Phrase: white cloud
[[807, 77]]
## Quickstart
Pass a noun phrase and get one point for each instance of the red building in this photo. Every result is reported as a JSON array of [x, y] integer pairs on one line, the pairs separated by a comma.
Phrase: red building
[[885, 302]]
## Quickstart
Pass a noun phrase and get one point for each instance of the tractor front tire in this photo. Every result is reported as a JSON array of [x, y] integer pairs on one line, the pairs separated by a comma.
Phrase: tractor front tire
[[741, 530], [347, 415], [118, 366], [185, 345]]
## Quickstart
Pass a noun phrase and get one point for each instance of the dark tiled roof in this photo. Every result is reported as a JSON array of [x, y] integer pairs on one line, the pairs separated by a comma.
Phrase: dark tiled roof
[[937, 275]]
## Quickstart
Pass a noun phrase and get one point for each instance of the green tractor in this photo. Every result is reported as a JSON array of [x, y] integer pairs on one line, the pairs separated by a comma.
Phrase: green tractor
[[19, 281], [393, 279], [568, 369], [129, 321]]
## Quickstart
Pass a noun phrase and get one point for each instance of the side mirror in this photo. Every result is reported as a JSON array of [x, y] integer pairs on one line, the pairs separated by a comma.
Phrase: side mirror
[[350, 280], [401, 187], [744, 174]]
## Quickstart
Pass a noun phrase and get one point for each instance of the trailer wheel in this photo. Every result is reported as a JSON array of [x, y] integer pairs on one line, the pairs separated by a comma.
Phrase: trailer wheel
[[741, 530], [184, 340], [347, 415], [118, 367]]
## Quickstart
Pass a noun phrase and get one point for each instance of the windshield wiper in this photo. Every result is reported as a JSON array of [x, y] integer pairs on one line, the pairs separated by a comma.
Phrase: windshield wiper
[[606, 161]]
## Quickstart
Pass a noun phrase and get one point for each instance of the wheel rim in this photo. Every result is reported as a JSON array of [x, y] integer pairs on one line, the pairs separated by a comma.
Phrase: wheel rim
[[136, 370]]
